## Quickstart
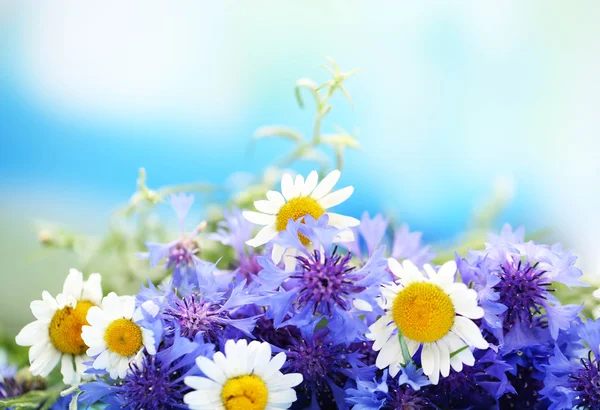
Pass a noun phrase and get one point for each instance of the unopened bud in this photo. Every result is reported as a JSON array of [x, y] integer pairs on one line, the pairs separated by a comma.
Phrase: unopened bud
[[45, 237], [201, 226]]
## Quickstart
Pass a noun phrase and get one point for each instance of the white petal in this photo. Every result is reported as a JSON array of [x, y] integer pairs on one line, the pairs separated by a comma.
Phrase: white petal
[[41, 311], [201, 383], [92, 289], [96, 317], [259, 218], [465, 304], [336, 197], [427, 359], [310, 184], [73, 284], [446, 273], [430, 272], [123, 367], [49, 300], [434, 377], [277, 253], [383, 336], [262, 358], [326, 185], [276, 198], [102, 361], [38, 349], [204, 400], [344, 236], [469, 332], [287, 187], [283, 398], [263, 236], [45, 362], [80, 368], [274, 365], [32, 333], [444, 357], [267, 207], [128, 306], [112, 306], [299, 184], [390, 352], [285, 381], [148, 341], [209, 368], [67, 370], [342, 221]]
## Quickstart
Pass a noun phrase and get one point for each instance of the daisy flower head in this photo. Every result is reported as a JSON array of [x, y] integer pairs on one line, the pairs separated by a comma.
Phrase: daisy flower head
[[114, 335], [297, 199], [433, 312], [244, 377], [56, 334]]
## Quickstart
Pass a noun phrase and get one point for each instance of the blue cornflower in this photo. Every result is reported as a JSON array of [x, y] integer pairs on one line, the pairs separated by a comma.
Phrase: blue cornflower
[[520, 275], [402, 392], [181, 254], [154, 383], [573, 380], [323, 283], [477, 386], [205, 310], [372, 232], [235, 230], [326, 365]]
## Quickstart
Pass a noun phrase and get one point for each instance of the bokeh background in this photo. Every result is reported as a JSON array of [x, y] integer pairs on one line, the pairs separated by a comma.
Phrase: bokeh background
[[454, 99]]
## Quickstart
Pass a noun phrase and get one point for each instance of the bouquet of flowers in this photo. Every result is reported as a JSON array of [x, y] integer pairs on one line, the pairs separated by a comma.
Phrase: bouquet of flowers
[[277, 302]]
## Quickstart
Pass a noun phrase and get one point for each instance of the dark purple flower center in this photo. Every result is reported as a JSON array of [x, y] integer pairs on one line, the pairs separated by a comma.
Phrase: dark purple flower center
[[324, 280], [152, 386], [522, 289], [586, 382], [195, 315], [527, 383]]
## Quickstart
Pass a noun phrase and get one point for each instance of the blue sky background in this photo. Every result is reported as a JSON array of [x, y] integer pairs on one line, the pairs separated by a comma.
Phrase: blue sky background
[[452, 97]]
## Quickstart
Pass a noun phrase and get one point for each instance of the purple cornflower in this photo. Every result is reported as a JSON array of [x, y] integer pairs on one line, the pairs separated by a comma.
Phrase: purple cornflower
[[204, 310], [519, 275], [326, 365], [234, 231], [323, 284], [572, 380], [403, 392], [372, 232], [156, 382], [181, 254]]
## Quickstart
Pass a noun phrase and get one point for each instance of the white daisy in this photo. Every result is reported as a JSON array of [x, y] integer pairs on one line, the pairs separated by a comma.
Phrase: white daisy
[[432, 311], [297, 199], [113, 336], [56, 334], [244, 378]]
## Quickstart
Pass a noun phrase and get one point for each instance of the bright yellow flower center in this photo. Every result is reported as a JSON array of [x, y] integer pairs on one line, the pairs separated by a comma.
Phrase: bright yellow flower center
[[297, 208], [65, 328], [247, 392], [423, 312], [123, 337]]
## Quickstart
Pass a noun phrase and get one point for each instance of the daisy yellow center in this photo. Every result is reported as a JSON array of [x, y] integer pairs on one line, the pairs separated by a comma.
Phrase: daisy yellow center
[[124, 337], [65, 328], [247, 392], [297, 208], [423, 312]]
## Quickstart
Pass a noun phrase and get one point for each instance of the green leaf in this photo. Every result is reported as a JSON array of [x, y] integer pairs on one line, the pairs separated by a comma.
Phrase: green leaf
[[276, 131], [404, 347], [31, 400], [458, 351]]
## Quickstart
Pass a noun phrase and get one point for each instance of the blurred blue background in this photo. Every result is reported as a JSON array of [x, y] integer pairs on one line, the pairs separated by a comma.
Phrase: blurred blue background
[[453, 98]]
